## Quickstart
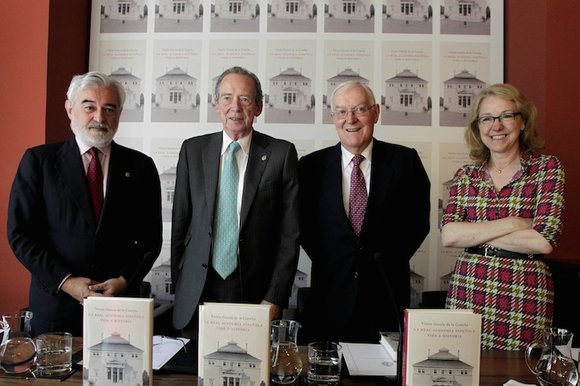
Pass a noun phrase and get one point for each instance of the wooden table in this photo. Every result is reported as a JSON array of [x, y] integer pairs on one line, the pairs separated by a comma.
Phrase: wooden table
[[497, 367]]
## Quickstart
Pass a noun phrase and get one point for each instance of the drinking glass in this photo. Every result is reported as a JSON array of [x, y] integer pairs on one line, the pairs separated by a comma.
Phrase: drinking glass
[[551, 358], [324, 362], [286, 363]]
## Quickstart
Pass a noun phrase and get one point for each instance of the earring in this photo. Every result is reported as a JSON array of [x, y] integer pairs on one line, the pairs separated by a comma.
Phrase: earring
[[522, 129]]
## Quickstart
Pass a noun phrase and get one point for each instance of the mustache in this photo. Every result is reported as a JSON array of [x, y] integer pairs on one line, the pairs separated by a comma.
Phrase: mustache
[[100, 126]]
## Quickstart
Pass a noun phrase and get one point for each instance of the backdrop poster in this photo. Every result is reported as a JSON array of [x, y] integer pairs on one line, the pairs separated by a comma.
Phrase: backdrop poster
[[425, 59]]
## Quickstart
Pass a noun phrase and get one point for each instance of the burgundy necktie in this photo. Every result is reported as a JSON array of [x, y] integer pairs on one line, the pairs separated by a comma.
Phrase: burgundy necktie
[[95, 178], [357, 204]]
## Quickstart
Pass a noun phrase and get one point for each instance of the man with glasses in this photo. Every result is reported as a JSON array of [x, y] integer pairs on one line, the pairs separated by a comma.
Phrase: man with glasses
[[364, 212], [235, 225]]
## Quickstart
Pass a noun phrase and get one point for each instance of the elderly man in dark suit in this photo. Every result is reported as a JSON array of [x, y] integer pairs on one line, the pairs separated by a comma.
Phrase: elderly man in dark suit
[[365, 211], [76, 238], [261, 256]]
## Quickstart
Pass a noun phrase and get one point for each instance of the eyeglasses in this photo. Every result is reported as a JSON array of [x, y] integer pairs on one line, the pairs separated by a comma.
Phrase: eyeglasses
[[487, 121], [226, 100], [358, 111]]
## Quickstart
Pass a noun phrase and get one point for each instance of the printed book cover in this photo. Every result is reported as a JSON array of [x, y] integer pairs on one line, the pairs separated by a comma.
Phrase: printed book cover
[[234, 344], [441, 347], [117, 341]]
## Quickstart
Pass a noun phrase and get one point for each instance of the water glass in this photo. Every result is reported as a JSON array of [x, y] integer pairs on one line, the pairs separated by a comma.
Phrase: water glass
[[54, 351], [15, 324], [18, 355], [286, 364], [324, 362]]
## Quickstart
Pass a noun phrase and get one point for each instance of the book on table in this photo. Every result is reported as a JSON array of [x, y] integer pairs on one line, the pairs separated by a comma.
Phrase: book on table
[[117, 341], [441, 346], [234, 344]]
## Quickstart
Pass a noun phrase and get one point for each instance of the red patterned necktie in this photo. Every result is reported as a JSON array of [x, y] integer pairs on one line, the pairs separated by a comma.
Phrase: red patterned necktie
[[357, 205], [95, 179]]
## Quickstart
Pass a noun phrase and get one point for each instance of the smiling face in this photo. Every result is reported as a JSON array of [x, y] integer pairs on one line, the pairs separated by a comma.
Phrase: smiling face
[[500, 137], [94, 114], [237, 105], [355, 132]]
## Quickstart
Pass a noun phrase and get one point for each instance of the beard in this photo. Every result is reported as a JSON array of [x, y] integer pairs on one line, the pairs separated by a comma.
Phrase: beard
[[95, 134]]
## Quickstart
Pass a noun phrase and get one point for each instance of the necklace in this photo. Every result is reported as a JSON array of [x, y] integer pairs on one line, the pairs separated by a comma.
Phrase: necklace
[[499, 170]]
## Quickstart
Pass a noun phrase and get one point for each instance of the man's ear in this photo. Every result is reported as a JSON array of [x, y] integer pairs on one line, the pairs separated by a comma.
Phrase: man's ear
[[68, 107]]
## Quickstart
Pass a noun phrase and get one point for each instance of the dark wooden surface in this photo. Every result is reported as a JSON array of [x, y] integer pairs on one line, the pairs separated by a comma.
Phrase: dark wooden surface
[[497, 367]]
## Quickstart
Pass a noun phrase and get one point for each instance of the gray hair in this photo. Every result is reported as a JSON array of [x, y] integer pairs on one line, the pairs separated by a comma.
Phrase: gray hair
[[241, 71], [348, 84], [94, 78]]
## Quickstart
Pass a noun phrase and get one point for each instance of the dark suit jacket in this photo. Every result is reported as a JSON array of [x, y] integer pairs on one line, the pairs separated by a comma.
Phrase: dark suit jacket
[[348, 291], [269, 228], [52, 230]]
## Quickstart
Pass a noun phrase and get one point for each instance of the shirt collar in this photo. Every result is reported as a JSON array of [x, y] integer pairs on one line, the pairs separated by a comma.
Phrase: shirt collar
[[83, 147], [244, 142], [348, 156]]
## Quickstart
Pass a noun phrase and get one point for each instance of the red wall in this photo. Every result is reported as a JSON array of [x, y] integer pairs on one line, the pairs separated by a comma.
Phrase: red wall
[[542, 55], [24, 47], [43, 46]]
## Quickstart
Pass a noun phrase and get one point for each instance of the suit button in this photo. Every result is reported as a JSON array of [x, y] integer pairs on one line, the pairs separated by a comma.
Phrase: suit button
[[204, 266], [356, 275]]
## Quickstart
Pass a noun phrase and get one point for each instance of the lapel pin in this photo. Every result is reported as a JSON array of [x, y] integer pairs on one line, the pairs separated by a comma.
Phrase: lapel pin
[[264, 157], [128, 174]]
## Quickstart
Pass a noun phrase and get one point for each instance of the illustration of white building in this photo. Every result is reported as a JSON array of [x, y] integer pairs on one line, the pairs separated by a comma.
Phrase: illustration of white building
[[300, 281], [132, 85], [167, 179], [293, 9], [231, 365], [290, 90], [115, 361], [161, 286], [442, 368], [460, 90], [406, 92], [123, 9], [235, 9], [347, 75], [176, 90], [350, 9], [444, 281], [179, 9], [408, 9], [462, 10], [417, 288]]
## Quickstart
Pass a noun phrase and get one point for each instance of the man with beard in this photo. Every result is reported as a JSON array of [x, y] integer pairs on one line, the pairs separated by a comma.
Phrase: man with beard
[[79, 238], [252, 259]]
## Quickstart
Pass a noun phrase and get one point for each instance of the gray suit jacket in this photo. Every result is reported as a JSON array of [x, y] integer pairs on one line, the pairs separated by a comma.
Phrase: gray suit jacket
[[269, 227]]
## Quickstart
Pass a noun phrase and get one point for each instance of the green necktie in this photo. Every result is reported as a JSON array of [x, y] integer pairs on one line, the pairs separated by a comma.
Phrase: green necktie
[[225, 244]]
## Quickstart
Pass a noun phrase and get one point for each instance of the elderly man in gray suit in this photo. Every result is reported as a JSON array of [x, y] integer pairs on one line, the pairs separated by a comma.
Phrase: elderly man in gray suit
[[257, 261]]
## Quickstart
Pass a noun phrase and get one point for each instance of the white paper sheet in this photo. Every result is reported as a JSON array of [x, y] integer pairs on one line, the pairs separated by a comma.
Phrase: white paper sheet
[[165, 348], [368, 359]]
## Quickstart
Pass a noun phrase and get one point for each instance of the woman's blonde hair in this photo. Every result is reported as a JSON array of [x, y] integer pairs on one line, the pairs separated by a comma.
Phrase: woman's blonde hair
[[528, 139]]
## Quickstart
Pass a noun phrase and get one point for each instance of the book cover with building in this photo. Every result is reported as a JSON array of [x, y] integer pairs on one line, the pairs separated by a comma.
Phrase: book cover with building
[[234, 344], [117, 341], [441, 347]]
